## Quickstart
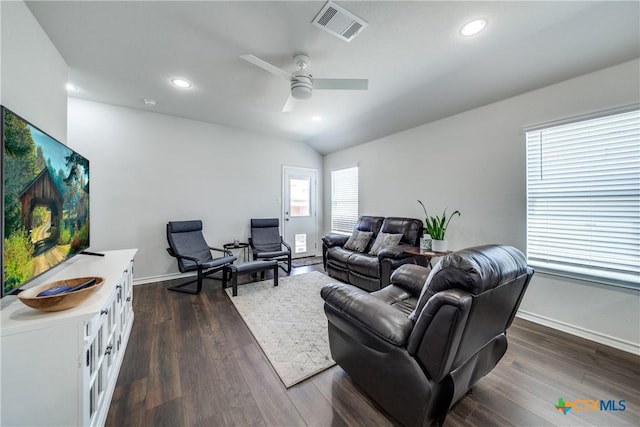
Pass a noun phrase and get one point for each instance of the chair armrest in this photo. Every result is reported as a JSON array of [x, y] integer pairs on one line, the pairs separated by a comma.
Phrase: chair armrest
[[410, 277], [190, 258], [286, 245], [225, 251], [331, 240], [395, 252], [366, 313]]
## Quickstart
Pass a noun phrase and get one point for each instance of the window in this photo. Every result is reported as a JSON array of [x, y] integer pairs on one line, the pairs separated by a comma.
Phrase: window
[[583, 199], [300, 197], [344, 199]]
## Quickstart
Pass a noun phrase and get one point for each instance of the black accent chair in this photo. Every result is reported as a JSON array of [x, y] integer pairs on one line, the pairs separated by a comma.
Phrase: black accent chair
[[418, 345], [187, 244], [266, 243]]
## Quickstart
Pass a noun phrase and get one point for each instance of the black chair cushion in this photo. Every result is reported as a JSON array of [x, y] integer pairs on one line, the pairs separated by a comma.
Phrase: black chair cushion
[[272, 254], [265, 234], [219, 262], [184, 226], [186, 239]]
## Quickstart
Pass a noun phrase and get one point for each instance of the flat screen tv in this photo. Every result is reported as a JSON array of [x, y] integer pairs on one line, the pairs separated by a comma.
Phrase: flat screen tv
[[45, 215]]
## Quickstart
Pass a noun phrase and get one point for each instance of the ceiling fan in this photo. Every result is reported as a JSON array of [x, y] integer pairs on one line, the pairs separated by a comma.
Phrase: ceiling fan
[[302, 83]]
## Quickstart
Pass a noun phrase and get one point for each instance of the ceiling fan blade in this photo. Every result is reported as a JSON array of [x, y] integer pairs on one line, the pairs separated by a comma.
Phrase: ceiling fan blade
[[266, 66], [341, 84], [289, 104]]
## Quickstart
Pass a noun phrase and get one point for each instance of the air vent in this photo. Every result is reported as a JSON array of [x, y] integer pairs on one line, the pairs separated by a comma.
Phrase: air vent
[[338, 21]]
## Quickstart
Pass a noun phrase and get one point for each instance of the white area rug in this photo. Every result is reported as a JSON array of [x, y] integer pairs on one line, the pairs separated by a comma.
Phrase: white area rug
[[289, 323]]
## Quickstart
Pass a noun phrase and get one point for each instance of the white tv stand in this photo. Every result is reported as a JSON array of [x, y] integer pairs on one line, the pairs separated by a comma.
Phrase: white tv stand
[[61, 368]]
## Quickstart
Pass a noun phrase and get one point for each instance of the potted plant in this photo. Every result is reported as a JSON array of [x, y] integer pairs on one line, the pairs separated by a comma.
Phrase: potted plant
[[437, 227]]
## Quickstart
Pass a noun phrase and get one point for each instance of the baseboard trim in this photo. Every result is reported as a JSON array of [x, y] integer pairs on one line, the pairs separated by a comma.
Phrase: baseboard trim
[[161, 278], [628, 346]]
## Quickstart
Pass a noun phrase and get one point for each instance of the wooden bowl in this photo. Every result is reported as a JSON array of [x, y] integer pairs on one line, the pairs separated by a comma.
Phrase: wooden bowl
[[61, 301]]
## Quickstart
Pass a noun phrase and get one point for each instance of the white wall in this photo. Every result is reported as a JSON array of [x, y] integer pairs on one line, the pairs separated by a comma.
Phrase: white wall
[[33, 73], [475, 162], [148, 169]]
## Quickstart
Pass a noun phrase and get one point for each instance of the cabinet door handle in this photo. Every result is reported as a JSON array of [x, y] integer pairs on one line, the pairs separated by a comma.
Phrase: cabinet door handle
[[104, 311], [108, 350], [128, 298], [88, 357]]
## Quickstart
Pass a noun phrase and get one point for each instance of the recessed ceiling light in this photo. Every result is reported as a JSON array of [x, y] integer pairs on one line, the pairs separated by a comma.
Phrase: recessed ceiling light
[[474, 27], [70, 87], [316, 118], [181, 83], [149, 102]]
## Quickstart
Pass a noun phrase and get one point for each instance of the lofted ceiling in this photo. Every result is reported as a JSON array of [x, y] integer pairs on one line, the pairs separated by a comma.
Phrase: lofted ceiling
[[419, 67]]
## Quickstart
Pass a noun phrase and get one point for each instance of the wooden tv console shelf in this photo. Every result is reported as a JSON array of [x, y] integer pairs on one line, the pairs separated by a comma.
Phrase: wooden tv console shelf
[[61, 368]]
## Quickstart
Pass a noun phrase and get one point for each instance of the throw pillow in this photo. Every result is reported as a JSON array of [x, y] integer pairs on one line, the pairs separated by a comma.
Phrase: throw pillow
[[383, 241], [358, 241]]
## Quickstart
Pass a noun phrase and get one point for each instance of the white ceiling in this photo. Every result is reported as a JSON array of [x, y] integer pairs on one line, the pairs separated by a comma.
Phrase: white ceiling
[[419, 68]]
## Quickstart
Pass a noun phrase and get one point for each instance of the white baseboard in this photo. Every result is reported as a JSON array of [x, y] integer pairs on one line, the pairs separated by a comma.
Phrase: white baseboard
[[161, 278], [628, 346]]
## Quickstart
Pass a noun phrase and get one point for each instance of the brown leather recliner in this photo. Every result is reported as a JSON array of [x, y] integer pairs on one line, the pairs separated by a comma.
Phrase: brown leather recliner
[[416, 348], [367, 271]]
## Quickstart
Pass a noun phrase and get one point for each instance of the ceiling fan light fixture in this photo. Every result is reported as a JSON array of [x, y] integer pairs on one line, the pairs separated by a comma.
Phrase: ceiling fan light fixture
[[301, 86], [474, 27]]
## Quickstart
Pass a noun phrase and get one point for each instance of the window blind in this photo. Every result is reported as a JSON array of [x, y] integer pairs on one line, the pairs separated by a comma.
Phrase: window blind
[[583, 199], [344, 199]]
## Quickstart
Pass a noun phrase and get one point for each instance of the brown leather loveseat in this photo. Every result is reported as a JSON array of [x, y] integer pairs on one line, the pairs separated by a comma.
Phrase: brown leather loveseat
[[366, 264]]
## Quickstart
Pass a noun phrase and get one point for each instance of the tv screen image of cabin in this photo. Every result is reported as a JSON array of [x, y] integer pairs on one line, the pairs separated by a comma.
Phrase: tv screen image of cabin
[[46, 202]]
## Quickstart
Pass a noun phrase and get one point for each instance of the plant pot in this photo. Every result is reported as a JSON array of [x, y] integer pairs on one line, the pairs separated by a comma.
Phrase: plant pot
[[439, 245]]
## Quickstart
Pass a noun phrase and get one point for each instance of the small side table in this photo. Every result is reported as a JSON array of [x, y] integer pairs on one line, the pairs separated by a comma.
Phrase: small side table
[[243, 246], [427, 254]]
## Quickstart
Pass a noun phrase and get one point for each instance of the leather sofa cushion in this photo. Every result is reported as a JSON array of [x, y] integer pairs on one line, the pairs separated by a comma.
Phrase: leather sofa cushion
[[339, 256], [410, 228], [410, 277], [398, 298], [369, 223], [474, 270], [364, 264]]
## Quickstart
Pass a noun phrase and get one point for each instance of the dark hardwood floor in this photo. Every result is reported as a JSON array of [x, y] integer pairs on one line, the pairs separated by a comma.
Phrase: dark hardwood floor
[[191, 361]]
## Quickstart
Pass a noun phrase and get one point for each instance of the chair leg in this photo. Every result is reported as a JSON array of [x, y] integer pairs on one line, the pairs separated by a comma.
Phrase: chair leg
[[199, 285], [234, 284], [181, 288], [287, 268], [224, 277], [196, 291], [275, 275]]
